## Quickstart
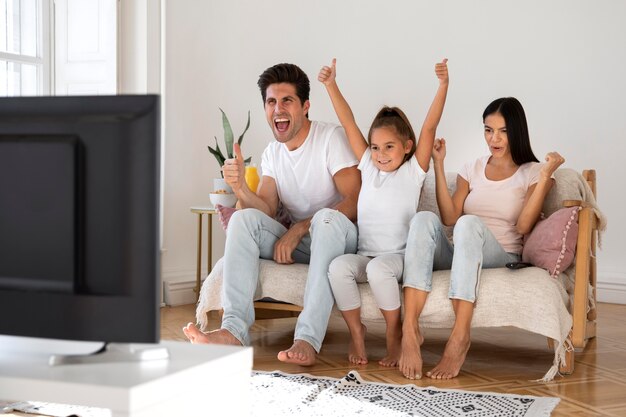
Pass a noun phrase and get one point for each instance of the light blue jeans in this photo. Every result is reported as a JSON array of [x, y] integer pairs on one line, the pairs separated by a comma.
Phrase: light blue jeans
[[429, 249], [252, 235]]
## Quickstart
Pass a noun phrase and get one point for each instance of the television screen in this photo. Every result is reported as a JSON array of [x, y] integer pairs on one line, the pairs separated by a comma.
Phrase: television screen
[[79, 218]]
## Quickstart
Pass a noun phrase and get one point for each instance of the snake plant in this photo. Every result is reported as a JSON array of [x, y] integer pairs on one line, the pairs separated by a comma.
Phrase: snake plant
[[228, 141]]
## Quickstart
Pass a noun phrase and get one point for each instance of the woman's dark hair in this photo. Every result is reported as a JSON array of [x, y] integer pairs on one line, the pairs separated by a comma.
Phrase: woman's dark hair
[[516, 128], [285, 73], [395, 118]]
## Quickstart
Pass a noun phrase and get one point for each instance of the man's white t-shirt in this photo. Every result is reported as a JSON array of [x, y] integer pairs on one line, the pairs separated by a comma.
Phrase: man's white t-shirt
[[304, 176], [499, 203], [387, 203]]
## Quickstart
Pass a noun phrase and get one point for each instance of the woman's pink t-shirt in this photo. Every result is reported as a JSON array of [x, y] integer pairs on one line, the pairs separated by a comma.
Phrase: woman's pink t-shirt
[[499, 203]]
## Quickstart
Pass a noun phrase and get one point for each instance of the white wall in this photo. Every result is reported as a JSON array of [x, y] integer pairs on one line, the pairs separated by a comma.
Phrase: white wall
[[563, 59]]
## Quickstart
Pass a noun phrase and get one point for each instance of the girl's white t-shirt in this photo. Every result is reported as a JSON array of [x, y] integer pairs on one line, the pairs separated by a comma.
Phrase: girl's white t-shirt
[[499, 203], [387, 203], [304, 176]]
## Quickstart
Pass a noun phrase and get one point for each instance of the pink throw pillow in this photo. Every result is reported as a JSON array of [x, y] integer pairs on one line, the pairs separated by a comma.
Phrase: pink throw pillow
[[552, 243]]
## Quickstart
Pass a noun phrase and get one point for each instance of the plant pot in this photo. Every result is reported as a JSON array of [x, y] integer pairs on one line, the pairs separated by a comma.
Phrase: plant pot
[[226, 200], [220, 184]]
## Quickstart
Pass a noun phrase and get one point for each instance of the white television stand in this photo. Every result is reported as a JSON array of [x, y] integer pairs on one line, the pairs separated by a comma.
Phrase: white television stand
[[197, 380]]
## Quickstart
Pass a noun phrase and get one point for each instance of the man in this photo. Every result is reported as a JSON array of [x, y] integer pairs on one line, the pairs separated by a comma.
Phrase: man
[[311, 170]]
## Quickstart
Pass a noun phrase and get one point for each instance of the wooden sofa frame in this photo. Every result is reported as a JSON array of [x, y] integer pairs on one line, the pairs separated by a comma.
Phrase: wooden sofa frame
[[583, 309]]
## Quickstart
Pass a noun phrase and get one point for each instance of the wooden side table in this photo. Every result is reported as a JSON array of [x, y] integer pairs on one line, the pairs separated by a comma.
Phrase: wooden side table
[[209, 211]]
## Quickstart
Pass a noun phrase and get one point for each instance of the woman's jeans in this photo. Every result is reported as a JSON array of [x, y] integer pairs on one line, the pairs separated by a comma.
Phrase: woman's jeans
[[252, 235], [428, 249]]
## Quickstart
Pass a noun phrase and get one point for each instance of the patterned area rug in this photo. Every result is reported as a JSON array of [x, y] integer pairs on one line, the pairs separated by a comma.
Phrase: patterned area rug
[[280, 394]]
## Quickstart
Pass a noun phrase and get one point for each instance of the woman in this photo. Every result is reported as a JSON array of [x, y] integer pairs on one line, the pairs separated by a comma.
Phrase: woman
[[498, 199]]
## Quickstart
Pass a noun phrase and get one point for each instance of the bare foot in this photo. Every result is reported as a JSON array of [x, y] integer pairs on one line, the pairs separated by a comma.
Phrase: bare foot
[[300, 353], [224, 214], [217, 337], [356, 353], [453, 357], [410, 362], [394, 347]]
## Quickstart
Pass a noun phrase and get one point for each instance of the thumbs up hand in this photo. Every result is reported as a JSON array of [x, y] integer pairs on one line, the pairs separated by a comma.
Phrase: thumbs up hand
[[234, 170], [328, 73], [441, 70]]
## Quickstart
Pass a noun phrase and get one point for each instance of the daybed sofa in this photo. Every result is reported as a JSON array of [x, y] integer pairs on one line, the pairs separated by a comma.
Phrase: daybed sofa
[[560, 306]]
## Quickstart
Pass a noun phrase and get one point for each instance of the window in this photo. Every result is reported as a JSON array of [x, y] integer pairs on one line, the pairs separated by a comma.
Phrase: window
[[24, 47]]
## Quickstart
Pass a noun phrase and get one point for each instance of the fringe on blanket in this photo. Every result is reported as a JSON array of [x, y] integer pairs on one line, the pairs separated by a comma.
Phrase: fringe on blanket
[[206, 300], [591, 299], [559, 359]]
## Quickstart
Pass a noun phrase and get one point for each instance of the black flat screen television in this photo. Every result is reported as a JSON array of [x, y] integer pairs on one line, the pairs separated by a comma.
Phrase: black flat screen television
[[79, 218]]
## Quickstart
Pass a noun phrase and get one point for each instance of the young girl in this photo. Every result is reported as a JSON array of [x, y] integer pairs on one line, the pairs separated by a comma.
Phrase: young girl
[[498, 199], [393, 166]]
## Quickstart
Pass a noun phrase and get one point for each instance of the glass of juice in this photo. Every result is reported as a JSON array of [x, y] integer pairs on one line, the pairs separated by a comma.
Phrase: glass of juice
[[252, 177]]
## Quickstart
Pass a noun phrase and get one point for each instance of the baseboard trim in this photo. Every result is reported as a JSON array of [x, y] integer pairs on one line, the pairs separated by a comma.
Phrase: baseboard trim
[[611, 287], [180, 293], [179, 285], [181, 274]]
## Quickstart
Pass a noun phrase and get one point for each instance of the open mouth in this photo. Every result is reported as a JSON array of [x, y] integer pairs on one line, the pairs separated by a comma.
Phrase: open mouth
[[281, 124], [384, 162]]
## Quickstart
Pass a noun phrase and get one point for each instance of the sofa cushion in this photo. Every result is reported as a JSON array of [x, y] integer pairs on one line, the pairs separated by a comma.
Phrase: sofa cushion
[[552, 243]]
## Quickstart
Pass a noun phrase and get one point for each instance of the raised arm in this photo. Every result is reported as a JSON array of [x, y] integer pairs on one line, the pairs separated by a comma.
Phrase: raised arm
[[537, 194], [450, 206], [357, 142], [266, 197], [429, 128]]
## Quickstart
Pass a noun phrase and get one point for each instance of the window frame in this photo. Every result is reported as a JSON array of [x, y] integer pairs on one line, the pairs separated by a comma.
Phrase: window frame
[[43, 58]]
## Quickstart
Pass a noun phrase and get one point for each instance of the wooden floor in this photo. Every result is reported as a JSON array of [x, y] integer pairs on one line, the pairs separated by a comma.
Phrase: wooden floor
[[500, 359]]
